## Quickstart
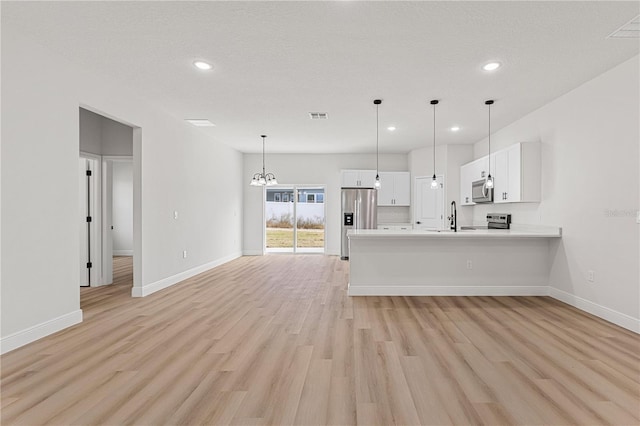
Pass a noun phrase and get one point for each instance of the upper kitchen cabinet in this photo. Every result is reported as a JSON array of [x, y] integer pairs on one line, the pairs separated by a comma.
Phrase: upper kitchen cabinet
[[515, 171], [358, 178], [517, 174], [473, 171], [395, 189]]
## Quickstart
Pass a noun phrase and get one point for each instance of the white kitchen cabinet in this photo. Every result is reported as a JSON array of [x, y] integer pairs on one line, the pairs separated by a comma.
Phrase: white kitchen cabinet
[[517, 174], [395, 189], [470, 172], [358, 178], [515, 171], [466, 173]]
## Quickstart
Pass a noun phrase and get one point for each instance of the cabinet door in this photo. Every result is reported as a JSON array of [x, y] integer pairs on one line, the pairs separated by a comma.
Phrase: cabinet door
[[482, 168], [386, 191], [402, 189], [500, 176], [466, 177], [350, 178], [507, 175], [514, 160], [367, 178]]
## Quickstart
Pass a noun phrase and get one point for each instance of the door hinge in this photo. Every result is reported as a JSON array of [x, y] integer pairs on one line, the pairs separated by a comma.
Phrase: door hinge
[[89, 265], [89, 219], [88, 172]]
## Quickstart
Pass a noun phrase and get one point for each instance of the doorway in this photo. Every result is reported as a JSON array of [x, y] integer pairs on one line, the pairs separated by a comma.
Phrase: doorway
[[429, 206], [294, 219], [108, 195]]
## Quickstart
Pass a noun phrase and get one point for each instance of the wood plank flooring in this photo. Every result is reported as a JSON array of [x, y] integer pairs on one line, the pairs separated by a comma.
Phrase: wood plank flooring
[[275, 340]]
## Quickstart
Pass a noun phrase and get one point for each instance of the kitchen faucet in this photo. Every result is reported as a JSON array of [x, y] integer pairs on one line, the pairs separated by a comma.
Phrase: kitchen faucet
[[453, 221]]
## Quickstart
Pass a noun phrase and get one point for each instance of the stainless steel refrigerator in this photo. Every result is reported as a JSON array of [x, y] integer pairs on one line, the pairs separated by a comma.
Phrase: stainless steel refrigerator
[[359, 211]]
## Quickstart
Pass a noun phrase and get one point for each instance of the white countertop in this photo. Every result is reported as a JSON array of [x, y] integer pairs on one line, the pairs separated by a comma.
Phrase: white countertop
[[528, 232]]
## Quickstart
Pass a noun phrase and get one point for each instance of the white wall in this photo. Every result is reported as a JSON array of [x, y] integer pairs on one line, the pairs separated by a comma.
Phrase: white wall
[[102, 136], [302, 169], [90, 132], [122, 212], [180, 171], [590, 184], [117, 139]]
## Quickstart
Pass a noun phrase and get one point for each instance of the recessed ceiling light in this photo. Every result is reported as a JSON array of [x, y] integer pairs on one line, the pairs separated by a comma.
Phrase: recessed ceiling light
[[202, 65], [455, 128], [391, 128], [491, 66], [200, 122]]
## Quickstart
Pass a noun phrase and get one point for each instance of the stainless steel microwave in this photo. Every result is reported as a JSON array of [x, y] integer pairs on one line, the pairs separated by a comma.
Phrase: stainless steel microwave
[[480, 193]]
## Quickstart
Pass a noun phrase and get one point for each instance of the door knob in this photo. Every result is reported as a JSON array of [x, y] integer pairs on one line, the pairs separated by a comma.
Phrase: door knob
[[418, 222]]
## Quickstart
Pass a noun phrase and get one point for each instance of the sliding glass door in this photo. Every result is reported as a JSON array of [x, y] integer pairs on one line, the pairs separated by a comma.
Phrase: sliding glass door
[[294, 219]]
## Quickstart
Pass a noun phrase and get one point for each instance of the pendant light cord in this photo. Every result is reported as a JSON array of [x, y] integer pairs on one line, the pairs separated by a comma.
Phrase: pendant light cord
[[263, 168], [434, 139], [489, 139], [377, 142]]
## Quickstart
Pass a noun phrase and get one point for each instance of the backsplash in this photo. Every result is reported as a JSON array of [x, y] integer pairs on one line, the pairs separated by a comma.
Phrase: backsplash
[[394, 214]]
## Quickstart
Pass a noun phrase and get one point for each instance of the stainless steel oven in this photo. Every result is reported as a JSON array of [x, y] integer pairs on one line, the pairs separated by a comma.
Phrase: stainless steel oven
[[480, 193]]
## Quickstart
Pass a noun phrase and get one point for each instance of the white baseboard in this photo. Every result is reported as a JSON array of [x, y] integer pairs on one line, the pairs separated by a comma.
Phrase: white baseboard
[[31, 334], [618, 318], [252, 253], [174, 279], [447, 290], [123, 252]]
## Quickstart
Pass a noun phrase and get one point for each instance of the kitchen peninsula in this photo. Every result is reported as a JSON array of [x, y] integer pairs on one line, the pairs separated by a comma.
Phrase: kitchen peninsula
[[480, 262]]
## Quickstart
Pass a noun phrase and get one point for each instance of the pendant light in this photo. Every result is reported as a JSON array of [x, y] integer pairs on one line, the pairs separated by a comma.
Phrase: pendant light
[[262, 179], [489, 182], [434, 181], [377, 103]]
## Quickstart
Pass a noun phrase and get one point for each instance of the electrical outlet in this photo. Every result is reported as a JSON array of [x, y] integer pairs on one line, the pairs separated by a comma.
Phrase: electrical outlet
[[175, 214], [184, 254], [469, 264], [590, 276], [638, 216]]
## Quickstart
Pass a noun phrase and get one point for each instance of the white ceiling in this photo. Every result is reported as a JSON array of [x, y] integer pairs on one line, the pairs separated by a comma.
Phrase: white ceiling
[[277, 61]]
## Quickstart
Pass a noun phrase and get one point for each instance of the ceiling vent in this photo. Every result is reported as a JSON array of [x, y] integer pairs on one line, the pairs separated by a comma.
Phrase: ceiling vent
[[318, 115], [200, 122], [629, 30]]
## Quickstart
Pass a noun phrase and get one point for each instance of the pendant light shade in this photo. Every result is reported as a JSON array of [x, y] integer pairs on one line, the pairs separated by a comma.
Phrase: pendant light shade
[[377, 185], [434, 181], [262, 179], [489, 182]]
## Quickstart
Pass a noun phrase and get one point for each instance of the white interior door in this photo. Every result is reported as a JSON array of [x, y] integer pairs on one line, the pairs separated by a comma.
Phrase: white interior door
[[107, 222], [429, 204], [82, 221], [90, 221]]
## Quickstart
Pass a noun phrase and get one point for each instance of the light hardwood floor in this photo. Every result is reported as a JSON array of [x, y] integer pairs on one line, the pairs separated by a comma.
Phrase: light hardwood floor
[[276, 340]]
